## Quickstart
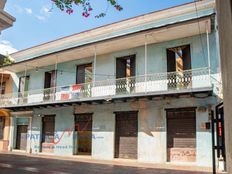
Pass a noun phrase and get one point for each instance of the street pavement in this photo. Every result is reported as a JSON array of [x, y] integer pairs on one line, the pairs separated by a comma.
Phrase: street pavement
[[28, 164]]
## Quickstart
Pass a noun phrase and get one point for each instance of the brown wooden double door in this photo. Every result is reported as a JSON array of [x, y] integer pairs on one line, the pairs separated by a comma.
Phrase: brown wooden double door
[[181, 135], [21, 137], [126, 135]]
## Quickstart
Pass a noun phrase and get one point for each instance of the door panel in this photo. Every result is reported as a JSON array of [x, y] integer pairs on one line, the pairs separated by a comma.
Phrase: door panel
[[21, 138], [181, 135], [83, 131], [126, 135]]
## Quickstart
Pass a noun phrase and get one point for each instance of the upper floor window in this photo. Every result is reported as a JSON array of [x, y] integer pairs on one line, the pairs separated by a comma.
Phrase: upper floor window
[[84, 73], [2, 87], [125, 66], [24, 83], [2, 125], [178, 58], [50, 79]]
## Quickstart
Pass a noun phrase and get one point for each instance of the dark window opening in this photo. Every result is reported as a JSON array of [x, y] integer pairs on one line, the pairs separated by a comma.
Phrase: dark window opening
[[2, 126], [50, 79], [178, 62], [84, 74], [84, 77], [49, 84], [125, 69], [48, 129]]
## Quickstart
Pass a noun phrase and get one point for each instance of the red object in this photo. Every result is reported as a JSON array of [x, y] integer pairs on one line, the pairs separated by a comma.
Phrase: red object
[[65, 96], [76, 87]]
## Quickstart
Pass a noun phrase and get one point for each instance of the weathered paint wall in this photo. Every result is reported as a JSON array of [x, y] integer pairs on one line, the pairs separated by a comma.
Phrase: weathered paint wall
[[151, 128], [106, 64], [6, 133], [64, 126], [224, 11]]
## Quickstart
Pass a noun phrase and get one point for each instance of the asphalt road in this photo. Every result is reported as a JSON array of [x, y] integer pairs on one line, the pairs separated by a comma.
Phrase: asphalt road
[[19, 164]]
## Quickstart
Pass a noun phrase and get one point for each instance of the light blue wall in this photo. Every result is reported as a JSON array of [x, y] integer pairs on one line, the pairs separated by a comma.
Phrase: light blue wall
[[64, 127], [152, 128], [157, 61]]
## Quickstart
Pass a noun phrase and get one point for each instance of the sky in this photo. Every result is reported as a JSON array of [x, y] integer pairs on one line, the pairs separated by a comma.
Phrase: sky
[[39, 21]]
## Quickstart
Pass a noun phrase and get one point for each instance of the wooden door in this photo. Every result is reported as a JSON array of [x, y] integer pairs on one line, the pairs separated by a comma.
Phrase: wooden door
[[83, 130], [48, 134], [181, 135], [126, 135], [21, 138]]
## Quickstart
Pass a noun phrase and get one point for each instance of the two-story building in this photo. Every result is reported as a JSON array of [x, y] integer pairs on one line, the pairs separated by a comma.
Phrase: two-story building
[[6, 21], [140, 89]]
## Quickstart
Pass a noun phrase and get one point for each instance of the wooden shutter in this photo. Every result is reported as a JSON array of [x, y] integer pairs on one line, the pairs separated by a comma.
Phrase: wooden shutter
[[120, 68], [187, 57], [53, 78], [48, 128], [2, 125], [3, 87], [80, 74], [171, 61], [133, 65], [47, 80]]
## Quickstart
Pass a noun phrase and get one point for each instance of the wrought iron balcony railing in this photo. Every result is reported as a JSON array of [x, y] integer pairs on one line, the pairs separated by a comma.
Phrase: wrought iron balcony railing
[[138, 85]]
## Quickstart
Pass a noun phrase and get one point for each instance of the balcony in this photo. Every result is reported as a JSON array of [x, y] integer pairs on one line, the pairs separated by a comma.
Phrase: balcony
[[145, 85]]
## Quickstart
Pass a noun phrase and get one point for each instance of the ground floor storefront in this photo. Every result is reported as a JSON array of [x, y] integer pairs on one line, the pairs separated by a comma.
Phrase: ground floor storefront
[[170, 130]]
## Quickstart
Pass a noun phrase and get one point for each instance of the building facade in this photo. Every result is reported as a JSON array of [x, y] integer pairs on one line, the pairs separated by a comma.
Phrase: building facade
[[224, 14], [139, 89], [6, 82]]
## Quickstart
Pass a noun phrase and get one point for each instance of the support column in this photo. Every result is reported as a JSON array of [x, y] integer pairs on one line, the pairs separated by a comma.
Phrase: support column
[[94, 66], [2, 75], [208, 51], [145, 63]]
